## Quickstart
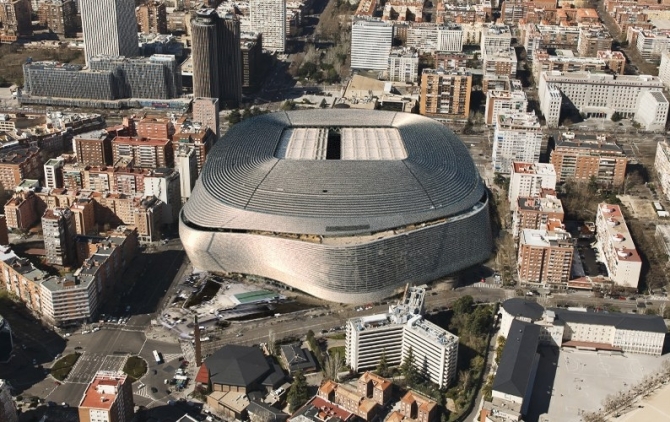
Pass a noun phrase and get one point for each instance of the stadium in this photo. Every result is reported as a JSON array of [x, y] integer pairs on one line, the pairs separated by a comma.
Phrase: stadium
[[345, 205]]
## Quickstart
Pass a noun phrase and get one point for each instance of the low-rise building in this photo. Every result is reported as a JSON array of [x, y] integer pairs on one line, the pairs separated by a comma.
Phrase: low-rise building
[[614, 60], [296, 358], [19, 163], [564, 61], [501, 62], [22, 211], [614, 240], [593, 38], [585, 157]]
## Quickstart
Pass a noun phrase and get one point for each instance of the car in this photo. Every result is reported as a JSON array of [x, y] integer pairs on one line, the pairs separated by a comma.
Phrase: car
[[51, 404], [96, 329], [78, 348], [67, 334], [155, 372], [85, 332], [34, 361], [154, 390], [128, 308], [239, 334], [65, 404]]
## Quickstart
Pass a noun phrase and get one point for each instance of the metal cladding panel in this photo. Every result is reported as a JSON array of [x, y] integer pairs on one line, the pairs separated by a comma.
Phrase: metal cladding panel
[[347, 273], [243, 185]]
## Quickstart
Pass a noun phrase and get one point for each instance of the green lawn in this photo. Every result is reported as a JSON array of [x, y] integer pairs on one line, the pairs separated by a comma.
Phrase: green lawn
[[63, 366], [135, 367]]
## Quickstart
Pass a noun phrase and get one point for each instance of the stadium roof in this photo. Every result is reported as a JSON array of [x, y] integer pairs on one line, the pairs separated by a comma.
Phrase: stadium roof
[[333, 172]]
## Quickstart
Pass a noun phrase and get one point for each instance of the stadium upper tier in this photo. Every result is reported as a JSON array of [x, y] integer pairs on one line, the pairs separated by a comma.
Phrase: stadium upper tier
[[246, 186]]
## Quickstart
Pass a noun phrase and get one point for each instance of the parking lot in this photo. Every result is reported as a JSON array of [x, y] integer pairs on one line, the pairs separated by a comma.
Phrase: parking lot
[[570, 382]]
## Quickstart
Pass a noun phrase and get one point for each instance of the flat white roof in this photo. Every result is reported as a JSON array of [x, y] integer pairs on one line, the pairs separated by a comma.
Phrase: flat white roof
[[356, 143]]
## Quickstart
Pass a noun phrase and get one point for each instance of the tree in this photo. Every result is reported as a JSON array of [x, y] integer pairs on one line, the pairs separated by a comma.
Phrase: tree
[[408, 369], [499, 348], [463, 305], [331, 366], [382, 367], [616, 116], [234, 117], [287, 105], [297, 395], [323, 104]]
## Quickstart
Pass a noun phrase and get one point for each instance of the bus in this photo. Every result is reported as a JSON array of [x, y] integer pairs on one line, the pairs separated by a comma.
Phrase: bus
[[157, 356]]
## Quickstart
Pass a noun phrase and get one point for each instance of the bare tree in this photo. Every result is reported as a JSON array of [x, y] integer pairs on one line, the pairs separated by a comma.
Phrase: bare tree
[[271, 342], [331, 366]]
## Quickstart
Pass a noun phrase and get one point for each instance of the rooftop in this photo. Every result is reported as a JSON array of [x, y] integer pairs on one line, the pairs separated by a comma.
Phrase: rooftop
[[546, 239], [516, 363], [433, 332], [544, 169], [519, 120], [320, 410], [102, 391], [617, 232], [589, 143], [547, 204], [621, 321]]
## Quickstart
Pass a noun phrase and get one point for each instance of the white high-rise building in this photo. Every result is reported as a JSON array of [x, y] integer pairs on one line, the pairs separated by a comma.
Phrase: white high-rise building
[[528, 180], [269, 18], [186, 163], [164, 185], [505, 102], [434, 349], [550, 105], [621, 258], [517, 137], [403, 65], [109, 27], [652, 111], [662, 166], [450, 38], [495, 37], [371, 43], [664, 69], [53, 173]]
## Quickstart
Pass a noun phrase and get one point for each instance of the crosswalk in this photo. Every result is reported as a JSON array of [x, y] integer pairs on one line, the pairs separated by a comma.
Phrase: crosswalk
[[168, 357], [143, 392]]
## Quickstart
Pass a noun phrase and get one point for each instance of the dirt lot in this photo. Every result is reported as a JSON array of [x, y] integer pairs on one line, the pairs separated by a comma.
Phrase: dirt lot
[[11, 71]]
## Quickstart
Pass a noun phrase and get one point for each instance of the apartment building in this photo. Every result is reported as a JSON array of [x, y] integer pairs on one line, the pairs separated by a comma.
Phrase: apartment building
[[550, 105], [93, 148], [652, 111], [17, 164], [83, 214], [108, 397], [369, 336], [15, 20], [206, 112], [200, 139], [652, 43], [251, 46], [4, 234], [664, 69], [394, 333], [584, 156], [614, 60], [529, 179], [593, 38], [510, 101], [434, 349], [22, 279], [186, 163], [59, 232], [143, 152], [371, 43], [372, 392], [53, 173], [415, 407], [661, 166], [7, 407], [564, 61], [517, 137], [429, 37], [545, 257], [502, 62], [495, 37], [164, 184], [269, 18], [109, 27], [537, 213], [403, 65], [125, 180], [60, 16], [445, 93], [598, 94], [543, 37], [616, 245], [152, 17]]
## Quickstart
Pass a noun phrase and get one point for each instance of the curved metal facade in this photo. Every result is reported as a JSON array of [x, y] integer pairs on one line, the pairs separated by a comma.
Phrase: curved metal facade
[[343, 230]]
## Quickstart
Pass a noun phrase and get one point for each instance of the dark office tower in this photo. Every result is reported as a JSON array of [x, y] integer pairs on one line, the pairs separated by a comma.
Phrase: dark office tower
[[230, 61], [205, 54]]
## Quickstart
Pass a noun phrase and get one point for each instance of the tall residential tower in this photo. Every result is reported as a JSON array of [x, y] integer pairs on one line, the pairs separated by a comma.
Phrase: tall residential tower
[[269, 18], [109, 27]]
